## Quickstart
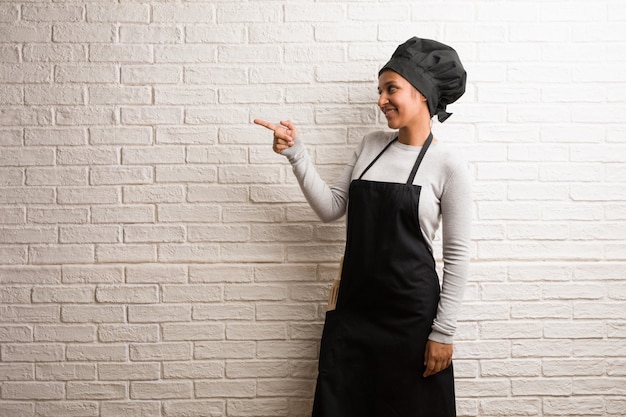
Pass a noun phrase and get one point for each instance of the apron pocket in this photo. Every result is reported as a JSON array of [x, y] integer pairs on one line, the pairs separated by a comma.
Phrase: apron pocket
[[331, 337]]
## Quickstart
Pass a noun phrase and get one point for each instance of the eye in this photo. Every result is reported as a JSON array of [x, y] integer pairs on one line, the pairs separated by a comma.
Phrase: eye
[[392, 89]]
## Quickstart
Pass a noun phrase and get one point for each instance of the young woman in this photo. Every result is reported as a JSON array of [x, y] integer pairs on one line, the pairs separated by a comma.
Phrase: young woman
[[386, 349]]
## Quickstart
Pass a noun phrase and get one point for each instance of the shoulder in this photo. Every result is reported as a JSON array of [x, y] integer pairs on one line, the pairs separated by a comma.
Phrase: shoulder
[[448, 157], [376, 141]]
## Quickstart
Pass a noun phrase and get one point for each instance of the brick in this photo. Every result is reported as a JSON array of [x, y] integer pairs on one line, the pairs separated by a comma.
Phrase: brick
[[92, 314], [227, 13], [96, 390], [195, 213], [286, 312], [186, 135], [48, 13], [120, 136], [127, 294], [195, 408], [123, 214], [285, 387], [15, 333], [52, 137], [20, 408], [217, 155], [257, 369], [33, 391], [74, 294], [120, 95], [271, 349], [186, 13], [226, 388], [156, 274], [160, 390], [573, 367], [150, 34], [120, 175], [10, 54], [184, 95], [195, 253], [255, 332], [65, 333], [214, 74], [73, 274], [126, 253], [73, 116], [97, 352], [54, 53], [256, 54], [218, 233], [80, 32], [32, 156], [143, 74], [186, 174], [16, 372], [128, 371], [284, 33], [193, 369], [216, 34], [11, 94], [189, 54], [509, 407], [29, 314], [191, 293], [128, 333], [14, 295], [154, 194], [65, 372], [252, 407], [154, 234], [67, 409], [136, 13], [25, 33], [225, 350], [61, 254], [161, 351], [151, 115], [576, 406], [130, 408], [29, 275], [159, 313], [193, 331], [65, 176], [220, 273], [25, 117], [120, 53], [32, 352]]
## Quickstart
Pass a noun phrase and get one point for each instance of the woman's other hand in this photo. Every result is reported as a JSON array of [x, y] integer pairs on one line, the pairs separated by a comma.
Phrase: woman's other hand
[[284, 134], [438, 357]]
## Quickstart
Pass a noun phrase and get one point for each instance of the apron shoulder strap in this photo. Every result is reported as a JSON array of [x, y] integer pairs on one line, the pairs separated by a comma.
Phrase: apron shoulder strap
[[418, 161], [377, 156]]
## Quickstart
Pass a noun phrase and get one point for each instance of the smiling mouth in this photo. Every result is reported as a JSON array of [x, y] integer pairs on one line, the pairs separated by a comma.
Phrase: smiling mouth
[[387, 112]]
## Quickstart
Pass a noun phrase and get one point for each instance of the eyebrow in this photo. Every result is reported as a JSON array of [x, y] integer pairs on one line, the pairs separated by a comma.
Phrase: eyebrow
[[386, 84]]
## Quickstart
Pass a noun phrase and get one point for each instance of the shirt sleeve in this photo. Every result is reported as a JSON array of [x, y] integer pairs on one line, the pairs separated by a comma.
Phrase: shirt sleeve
[[328, 202], [456, 217]]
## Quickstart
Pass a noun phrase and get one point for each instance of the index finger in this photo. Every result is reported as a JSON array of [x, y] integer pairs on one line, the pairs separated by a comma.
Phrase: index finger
[[268, 125]]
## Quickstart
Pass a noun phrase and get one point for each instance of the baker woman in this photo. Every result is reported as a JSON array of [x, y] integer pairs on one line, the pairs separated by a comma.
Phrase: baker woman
[[386, 349]]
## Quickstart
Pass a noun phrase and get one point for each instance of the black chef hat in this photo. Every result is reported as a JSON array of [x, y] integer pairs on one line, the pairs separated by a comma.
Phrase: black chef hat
[[434, 69]]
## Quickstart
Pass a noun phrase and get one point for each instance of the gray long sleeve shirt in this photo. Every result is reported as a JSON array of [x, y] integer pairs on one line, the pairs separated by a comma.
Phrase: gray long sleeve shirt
[[445, 197]]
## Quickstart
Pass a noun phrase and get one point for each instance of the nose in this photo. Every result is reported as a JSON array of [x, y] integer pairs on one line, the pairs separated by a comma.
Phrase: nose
[[382, 100]]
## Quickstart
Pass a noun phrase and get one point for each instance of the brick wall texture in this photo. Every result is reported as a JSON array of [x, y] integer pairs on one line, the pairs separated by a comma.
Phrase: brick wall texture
[[157, 259]]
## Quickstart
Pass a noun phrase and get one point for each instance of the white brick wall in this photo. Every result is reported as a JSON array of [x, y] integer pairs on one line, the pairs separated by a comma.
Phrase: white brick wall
[[157, 259]]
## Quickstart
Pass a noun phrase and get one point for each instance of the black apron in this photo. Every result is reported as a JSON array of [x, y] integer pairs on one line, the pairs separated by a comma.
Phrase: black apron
[[372, 350]]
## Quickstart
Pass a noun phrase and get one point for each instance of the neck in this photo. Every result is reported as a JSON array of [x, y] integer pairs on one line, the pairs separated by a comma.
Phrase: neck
[[414, 136]]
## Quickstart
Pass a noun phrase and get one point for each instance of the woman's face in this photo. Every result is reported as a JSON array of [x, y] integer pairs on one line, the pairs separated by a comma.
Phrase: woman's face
[[401, 103]]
